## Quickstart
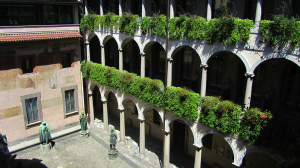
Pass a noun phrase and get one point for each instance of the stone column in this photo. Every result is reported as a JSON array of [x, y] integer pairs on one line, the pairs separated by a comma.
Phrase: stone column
[[166, 150], [198, 158], [248, 91], [120, 8], [88, 55], [203, 80], [142, 138], [105, 116], [85, 7], [143, 8], [258, 12], [142, 65], [209, 11], [172, 7], [169, 80], [102, 55], [101, 7], [120, 59], [92, 116], [122, 125]]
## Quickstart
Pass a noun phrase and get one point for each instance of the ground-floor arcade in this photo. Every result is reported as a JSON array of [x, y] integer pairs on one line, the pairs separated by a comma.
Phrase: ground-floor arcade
[[184, 140]]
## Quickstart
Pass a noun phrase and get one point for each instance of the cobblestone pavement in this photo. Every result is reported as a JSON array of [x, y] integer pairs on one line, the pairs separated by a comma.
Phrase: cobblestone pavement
[[71, 151]]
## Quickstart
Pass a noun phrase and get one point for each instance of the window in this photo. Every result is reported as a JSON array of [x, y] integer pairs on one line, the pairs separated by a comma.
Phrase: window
[[27, 65], [215, 75], [14, 14], [187, 64], [207, 141], [57, 14], [65, 60], [70, 100], [185, 6], [250, 9], [156, 117], [32, 109], [217, 11]]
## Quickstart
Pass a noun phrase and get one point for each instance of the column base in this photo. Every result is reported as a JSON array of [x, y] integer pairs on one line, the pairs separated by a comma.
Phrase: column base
[[84, 134], [45, 147]]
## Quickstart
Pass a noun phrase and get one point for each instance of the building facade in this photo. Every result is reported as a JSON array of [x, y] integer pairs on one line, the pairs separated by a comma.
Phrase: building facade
[[40, 55], [251, 74]]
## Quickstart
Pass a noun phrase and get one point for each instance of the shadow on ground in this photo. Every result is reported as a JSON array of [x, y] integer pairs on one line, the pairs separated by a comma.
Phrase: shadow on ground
[[26, 163]]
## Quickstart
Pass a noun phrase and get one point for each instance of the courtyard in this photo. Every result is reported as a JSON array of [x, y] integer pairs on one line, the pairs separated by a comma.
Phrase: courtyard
[[74, 151]]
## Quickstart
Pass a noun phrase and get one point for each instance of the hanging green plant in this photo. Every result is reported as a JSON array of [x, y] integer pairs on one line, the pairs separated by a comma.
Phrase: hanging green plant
[[128, 23], [89, 22], [157, 25], [109, 20]]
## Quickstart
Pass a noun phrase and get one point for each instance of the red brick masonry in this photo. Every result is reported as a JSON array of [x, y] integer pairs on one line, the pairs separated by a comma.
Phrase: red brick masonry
[[38, 36]]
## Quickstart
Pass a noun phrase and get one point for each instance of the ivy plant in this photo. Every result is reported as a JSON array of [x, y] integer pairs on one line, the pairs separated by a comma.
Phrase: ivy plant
[[109, 20], [128, 23], [157, 25]]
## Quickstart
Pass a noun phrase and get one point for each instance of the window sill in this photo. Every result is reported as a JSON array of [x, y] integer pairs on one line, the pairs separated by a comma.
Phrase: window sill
[[33, 124], [26, 75], [71, 113]]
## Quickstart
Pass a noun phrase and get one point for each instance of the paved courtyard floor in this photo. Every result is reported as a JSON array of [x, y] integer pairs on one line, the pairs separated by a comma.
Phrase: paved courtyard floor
[[71, 151]]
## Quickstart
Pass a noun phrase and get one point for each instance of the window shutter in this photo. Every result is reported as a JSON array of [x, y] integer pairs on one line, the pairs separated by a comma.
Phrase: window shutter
[[28, 110], [67, 101], [72, 101], [35, 109]]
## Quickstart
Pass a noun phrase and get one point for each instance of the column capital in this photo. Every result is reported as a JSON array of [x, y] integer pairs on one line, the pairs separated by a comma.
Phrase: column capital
[[102, 46], [204, 66], [120, 50], [87, 43], [142, 54], [170, 59], [247, 74], [104, 101]]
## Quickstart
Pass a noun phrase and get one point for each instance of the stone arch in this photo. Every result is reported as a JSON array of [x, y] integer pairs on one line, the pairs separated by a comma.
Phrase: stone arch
[[179, 46], [91, 86], [235, 153], [274, 56], [127, 38], [105, 93], [151, 41], [107, 37], [167, 126], [232, 50], [257, 150], [121, 107], [92, 35], [143, 110]]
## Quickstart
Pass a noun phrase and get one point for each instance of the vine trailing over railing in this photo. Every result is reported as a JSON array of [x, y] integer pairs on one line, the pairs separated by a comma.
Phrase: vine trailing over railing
[[157, 25], [229, 30], [89, 22], [128, 23], [281, 32], [184, 104], [223, 115], [109, 20]]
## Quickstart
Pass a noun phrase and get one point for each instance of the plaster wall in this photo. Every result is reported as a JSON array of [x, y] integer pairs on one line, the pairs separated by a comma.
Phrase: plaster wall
[[48, 80], [214, 157]]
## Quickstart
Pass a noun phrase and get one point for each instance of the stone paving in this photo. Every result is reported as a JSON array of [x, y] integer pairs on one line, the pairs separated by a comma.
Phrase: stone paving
[[70, 152]]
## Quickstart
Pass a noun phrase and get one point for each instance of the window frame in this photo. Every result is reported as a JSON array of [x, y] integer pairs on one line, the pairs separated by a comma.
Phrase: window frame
[[63, 91], [39, 107], [72, 62], [33, 63]]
